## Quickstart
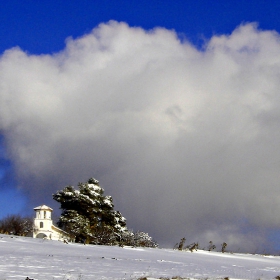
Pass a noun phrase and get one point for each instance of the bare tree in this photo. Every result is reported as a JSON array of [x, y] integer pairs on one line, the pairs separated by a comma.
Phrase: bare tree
[[224, 245], [181, 244], [16, 225], [211, 246], [193, 246]]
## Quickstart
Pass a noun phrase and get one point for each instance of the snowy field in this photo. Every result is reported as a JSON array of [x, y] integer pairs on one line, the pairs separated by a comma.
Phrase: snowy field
[[22, 257]]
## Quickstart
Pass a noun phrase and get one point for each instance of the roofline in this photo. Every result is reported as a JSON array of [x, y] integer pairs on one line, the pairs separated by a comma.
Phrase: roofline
[[61, 230], [43, 207]]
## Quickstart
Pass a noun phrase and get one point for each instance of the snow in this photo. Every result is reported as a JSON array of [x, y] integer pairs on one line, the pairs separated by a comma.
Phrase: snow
[[46, 259], [95, 187], [108, 202], [88, 199], [68, 193]]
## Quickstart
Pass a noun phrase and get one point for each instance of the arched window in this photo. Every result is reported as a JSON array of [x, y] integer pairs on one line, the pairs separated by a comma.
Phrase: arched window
[[41, 224]]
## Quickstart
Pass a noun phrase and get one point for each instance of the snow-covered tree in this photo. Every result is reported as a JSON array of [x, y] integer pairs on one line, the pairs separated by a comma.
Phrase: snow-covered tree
[[142, 239], [137, 239], [89, 215]]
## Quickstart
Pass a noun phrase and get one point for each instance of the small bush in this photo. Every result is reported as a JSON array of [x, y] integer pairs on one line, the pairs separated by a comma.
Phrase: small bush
[[192, 246], [224, 245], [211, 246], [181, 244]]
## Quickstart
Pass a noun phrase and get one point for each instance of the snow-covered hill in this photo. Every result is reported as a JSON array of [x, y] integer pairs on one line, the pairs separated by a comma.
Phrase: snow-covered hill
[[22, 257]]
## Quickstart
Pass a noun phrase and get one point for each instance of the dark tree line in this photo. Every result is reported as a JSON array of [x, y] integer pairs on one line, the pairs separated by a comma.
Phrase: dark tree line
[[16, 225]]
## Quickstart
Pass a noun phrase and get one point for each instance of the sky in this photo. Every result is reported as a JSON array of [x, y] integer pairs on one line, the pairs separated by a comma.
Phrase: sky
[[172, 105]]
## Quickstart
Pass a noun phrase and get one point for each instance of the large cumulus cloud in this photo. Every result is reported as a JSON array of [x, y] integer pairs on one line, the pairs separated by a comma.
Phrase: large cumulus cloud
[[186, 141]]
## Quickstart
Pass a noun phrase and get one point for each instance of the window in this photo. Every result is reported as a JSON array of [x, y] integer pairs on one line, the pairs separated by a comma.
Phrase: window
[[44, 214], [41, 224]]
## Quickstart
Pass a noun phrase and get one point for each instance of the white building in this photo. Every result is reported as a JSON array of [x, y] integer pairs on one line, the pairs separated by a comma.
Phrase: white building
[[43, 225]]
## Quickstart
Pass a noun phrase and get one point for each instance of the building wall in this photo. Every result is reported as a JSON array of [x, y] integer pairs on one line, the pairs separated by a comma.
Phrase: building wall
[[43, 225]]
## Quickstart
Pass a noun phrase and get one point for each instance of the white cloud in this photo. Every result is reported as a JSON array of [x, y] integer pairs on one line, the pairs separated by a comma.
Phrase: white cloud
[[185, 141]]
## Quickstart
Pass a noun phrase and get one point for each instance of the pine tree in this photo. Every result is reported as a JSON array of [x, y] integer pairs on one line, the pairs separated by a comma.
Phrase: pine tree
[[89, 215]]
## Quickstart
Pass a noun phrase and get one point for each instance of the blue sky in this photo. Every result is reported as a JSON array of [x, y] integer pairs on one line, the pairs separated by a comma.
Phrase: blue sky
[[41, 28]]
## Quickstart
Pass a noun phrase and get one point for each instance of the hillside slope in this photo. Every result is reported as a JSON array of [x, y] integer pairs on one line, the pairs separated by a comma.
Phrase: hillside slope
[[44, 259]]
